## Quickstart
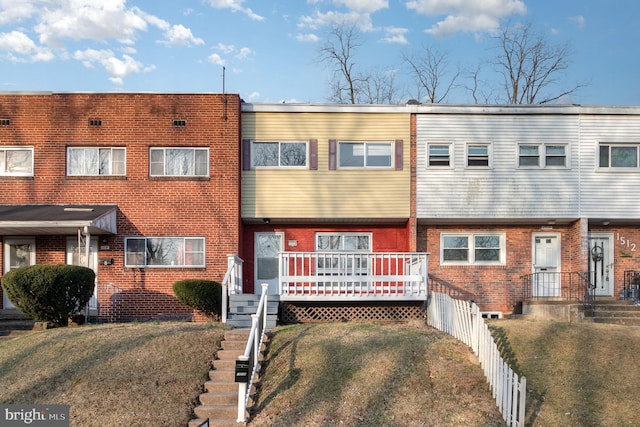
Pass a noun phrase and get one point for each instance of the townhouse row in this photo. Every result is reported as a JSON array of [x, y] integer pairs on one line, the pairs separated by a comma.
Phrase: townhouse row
[[149, 189]]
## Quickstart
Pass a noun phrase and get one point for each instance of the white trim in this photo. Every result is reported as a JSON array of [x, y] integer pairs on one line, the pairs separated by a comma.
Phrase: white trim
[[471, 248]]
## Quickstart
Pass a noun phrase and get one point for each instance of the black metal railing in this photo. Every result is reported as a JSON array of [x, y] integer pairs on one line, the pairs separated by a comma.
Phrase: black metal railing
[[563, 286]]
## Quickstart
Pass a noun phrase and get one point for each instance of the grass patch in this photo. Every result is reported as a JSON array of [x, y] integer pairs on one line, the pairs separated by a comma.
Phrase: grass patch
[[366, 374], [135, 374]]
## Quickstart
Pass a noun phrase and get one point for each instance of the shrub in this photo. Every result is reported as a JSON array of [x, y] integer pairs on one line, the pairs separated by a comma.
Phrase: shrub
[[49, 293], [202, 295]]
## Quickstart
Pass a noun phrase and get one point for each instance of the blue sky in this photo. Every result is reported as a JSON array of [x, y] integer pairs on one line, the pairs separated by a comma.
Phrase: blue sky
[[269, 49]]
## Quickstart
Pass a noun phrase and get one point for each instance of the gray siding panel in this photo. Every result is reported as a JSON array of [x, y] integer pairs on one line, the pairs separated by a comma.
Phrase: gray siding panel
[[503, 190]]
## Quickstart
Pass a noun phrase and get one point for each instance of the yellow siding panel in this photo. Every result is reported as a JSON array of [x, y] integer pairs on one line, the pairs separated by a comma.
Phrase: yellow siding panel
[[323, 193]]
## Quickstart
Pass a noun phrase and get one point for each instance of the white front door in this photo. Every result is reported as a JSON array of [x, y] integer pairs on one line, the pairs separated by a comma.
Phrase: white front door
[[601, 264], [77, 255], [18, 253], [267, 246], [546, 265]]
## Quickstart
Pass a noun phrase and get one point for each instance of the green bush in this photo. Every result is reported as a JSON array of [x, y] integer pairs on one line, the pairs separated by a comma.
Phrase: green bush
[[202, 295], [50, 293]]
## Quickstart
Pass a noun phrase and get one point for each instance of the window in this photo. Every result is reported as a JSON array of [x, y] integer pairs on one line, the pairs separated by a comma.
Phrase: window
[[164, 252], [279, 154], [365, 155], [179, 161], [472, 248], [478, 155], [439, 155], [542, 156], [16, 161], [95, 161], [342, 242], [619, 155]]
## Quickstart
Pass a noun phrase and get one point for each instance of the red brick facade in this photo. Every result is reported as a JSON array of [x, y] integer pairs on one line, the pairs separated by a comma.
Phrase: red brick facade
[[147, 206]]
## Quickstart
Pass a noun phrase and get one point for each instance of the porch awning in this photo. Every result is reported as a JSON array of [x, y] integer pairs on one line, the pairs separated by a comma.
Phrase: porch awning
[[32, 220]]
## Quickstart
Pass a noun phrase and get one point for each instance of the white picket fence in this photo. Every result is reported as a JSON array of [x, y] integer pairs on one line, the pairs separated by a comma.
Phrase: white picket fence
[[464, 321]]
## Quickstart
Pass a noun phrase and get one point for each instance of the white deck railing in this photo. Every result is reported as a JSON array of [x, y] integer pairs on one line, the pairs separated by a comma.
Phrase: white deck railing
[[464, 321], [353, 276], [231, 283]]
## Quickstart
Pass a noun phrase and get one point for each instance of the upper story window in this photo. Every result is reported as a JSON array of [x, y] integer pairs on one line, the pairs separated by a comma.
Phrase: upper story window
[[542, 156], [278, 154], [164, 252], [478, 155], [618, 155], [473, 249], [439, 155], [365, 154], [16, 161], [179, 162], [90, 161]]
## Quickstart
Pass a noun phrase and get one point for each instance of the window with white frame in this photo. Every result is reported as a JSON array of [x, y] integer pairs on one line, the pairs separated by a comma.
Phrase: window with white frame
[[439, 155], [164, 252], [618, 155], [90, 161], [365, 154], [542, 156], [478, 155], [179, 161], [16, 161], [279, 154], [342, 243], [473, 248]]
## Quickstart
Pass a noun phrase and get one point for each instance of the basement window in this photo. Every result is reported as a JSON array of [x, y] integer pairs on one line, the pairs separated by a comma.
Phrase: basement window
[[491, 315]]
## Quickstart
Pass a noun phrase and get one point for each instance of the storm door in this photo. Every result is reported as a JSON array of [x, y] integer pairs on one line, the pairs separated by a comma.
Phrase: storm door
[[267, 246], [601, 264], [546, 265], [17, 253]]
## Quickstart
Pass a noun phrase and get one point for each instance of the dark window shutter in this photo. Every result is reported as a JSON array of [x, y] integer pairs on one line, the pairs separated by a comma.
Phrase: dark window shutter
[[246, 154], [333, 144], [399, 156], [313, 154]]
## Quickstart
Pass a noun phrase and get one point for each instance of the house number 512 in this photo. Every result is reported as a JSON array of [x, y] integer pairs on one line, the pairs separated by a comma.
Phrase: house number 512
[[626, 243]]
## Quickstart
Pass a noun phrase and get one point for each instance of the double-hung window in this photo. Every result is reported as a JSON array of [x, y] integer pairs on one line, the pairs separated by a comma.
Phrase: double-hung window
[[90, 161], [278, 154], [542, 156], [16, 161], [169, 161], [478, 155], [439, 155], [618, 156], [164, 252], [365, 154], [473, 248], [341, 253]]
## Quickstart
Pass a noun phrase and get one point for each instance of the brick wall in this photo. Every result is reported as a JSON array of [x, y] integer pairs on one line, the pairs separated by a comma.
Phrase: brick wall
[[147, 206]]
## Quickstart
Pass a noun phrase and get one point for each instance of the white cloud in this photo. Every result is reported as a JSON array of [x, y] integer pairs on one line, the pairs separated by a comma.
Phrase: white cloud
[[395, 35], [235, 6], [244, 52], [466, 15], [579, 20], [318, 20], [179, 35], [117, 68], [16, 11], [253, 95], [364, 6], [307, 38], [18, 43], [214, 58], [225, 48]]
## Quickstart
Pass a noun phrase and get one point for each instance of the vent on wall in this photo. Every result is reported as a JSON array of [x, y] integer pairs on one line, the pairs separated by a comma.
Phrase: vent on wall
[[5, 122], [95, 122], [179, 123]]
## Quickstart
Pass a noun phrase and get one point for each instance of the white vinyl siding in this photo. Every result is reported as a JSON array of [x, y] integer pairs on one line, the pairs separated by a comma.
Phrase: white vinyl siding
[[504, 190]]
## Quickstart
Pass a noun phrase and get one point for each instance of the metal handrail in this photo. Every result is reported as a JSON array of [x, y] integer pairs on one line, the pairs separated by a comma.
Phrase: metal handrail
[[252, 352]]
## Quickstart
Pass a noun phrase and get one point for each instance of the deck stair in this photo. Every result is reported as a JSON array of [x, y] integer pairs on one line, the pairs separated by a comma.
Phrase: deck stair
[[614, 311], [219, 403], [242, 306]]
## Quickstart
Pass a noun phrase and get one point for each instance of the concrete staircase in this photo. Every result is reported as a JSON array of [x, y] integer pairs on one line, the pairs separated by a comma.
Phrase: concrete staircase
[[219, 403], [614, 311], [242, 306]]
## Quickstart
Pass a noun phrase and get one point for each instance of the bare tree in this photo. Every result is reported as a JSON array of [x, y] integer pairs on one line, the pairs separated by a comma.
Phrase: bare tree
[[480, 90], [350, 84], [431, 70], [531, 66]]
